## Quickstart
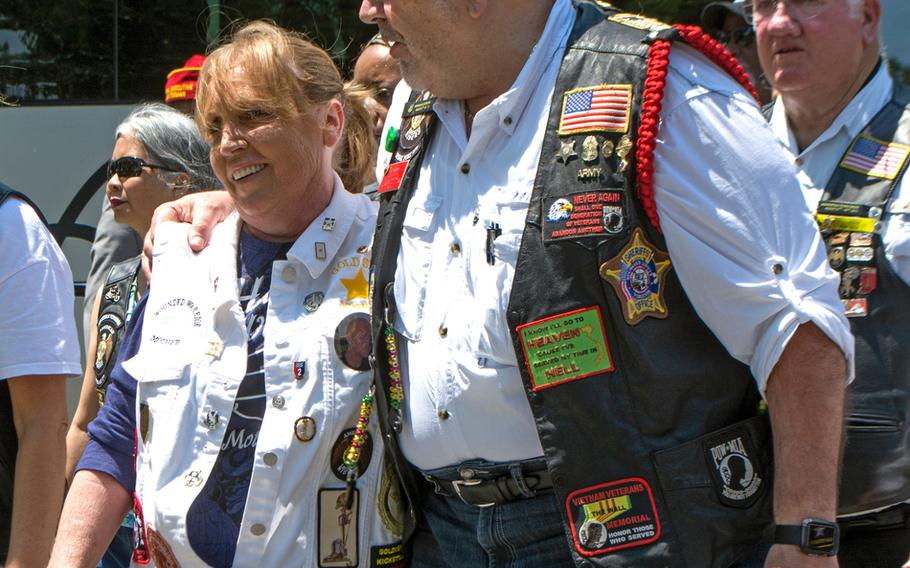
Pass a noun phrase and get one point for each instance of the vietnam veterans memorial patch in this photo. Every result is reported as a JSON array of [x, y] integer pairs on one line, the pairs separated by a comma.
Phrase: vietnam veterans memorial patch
[[637, 275], [612, 516], [565, 347]]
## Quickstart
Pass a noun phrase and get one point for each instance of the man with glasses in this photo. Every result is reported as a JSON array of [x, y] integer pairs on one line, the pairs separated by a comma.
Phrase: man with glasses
[[848, 125], [725, 22]]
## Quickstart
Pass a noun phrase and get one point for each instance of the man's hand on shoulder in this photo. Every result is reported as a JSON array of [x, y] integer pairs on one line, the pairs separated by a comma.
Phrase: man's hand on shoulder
[[203, 210]]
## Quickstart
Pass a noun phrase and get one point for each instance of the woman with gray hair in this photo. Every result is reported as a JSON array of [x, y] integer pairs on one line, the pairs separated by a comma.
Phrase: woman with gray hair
[[158, 156]]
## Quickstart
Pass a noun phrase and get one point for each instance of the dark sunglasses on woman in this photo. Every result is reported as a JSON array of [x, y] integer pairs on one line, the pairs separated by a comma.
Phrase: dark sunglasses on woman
[[131, 166]]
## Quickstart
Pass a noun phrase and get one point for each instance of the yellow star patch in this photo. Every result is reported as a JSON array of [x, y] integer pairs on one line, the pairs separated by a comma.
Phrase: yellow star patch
[[357, 287], [636, 274]]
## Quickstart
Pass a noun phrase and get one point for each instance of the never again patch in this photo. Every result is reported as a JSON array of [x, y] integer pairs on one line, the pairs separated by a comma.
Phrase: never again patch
[[612, 516], [584, 214], [734, 468], [565, 347], [637, 275]]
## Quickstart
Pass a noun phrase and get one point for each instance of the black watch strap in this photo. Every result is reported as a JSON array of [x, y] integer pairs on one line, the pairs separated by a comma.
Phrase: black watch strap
[[788, 534]]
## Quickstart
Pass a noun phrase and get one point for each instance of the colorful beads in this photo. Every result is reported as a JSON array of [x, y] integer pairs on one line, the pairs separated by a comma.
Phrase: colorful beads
[[396, 391], [352, 454]]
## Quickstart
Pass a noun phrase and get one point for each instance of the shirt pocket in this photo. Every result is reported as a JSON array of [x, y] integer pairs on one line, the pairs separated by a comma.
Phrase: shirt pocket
[[416, 256], [162, 394], [488, 334]]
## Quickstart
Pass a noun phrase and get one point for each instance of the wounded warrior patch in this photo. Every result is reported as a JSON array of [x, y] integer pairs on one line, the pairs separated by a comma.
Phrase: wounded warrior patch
[[637, 275], [612, 516], [565, 347], [734, 468], [586, 214]]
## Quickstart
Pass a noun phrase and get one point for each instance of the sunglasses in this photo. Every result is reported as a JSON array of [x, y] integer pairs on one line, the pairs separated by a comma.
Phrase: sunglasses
[[131, 166], [742, 37]]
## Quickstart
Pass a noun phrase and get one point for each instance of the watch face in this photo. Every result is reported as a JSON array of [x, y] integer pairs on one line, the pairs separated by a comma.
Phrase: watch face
[[820, 537]]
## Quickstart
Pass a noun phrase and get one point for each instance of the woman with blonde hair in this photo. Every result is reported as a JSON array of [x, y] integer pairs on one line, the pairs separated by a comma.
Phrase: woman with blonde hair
[[252, 437]]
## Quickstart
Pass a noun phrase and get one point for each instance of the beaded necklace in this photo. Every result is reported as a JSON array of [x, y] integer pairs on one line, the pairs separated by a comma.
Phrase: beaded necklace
[[396, 391]]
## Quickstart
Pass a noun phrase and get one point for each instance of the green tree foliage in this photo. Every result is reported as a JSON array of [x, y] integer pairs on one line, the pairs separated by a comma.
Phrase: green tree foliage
[[64, 49]]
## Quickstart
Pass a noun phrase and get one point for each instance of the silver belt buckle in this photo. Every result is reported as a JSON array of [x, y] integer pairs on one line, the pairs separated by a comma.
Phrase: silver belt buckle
[[458, 483]]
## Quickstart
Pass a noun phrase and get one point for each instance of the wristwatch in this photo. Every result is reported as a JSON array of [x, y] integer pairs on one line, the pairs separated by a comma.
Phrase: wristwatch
[[813, 536]]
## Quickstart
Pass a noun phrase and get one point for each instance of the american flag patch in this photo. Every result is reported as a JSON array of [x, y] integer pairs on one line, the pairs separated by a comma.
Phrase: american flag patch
[[603, 108], [875, 158]]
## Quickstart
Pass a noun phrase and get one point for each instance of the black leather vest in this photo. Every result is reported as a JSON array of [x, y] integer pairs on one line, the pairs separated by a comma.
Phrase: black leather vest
[[651, 430], [876, 470], [118, 293]]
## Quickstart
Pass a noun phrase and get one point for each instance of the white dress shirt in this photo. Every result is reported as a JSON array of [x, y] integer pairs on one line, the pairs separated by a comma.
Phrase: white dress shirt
[[817, 162], [193, 357], [730, 208]]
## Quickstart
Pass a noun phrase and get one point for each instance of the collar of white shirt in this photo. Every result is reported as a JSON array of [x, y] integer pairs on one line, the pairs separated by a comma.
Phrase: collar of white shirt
[[862, 109], [328, 230]]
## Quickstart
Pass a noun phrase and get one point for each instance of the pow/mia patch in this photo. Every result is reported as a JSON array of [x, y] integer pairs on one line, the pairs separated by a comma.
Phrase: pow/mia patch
[[735, 471], [565, 347], [160, 550], [112, 294], [339, 535], [108, 327], [639, 22], [612, 516], [637, 275], [388, 556], [598, 213], [388, 502], [313, 301], [341, 445]]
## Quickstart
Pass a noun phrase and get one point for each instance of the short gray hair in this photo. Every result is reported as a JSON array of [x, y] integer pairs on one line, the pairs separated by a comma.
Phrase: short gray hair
[[172, 139]]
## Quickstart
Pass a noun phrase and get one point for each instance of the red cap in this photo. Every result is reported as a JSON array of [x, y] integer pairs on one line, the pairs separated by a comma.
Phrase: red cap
[[181, 82]]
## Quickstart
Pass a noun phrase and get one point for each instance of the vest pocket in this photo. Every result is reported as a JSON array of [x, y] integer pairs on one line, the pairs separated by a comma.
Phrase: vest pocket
[[718, 490]]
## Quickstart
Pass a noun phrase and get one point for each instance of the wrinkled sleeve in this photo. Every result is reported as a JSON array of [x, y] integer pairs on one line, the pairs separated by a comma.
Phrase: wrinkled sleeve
[[112, 434], [739, 233]]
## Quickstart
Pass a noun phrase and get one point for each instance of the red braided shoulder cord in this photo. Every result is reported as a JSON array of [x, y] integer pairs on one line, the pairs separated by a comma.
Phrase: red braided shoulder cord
[[655, 80]]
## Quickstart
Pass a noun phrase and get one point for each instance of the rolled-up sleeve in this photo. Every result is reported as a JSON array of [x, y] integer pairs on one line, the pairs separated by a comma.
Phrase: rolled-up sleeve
[[112, 434], [740, 235]]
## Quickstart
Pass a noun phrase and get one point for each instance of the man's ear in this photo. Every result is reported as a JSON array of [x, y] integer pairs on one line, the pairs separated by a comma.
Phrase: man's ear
[[871, 14], [333, 123], [180, 183]]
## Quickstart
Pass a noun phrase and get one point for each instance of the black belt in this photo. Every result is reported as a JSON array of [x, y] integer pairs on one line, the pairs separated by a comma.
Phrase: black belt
[[485, 486]]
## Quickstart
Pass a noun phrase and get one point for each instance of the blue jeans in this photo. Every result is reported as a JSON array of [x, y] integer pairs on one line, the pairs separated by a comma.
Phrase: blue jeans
[[527, 533], [120, 552]]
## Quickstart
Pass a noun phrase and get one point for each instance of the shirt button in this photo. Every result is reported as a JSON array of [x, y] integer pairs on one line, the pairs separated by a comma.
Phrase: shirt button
[[443, 331], [288, 274], [258, 529], [465, 168], [270, 459], [443, 414], [456, 248], [278, 401], [777, 268], [507, 120], [798, 161]]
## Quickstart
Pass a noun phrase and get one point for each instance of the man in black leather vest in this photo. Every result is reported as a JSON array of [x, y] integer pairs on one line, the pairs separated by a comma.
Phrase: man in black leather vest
[[848, 125], [594, 281], [506, 303]]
